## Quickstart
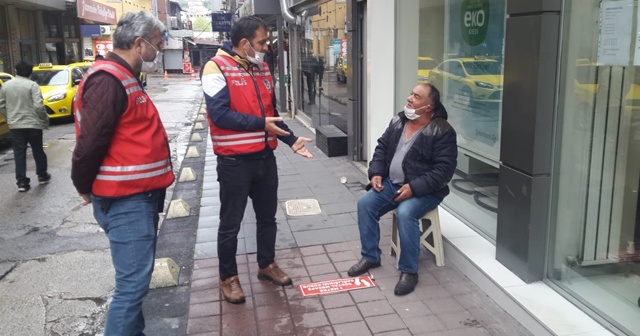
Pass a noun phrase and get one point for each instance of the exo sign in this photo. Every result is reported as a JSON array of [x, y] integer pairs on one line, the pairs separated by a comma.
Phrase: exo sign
[[335, 286], [474, 16]]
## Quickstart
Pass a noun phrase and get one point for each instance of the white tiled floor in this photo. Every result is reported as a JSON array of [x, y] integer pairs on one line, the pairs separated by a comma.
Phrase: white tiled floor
[[542, 302]]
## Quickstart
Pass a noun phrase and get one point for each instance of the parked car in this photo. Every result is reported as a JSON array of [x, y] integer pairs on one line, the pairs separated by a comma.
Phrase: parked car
[[88, 62], [58, 84], [84, 65], [4, 127], [425, 64], [478, 78], [5, 77]]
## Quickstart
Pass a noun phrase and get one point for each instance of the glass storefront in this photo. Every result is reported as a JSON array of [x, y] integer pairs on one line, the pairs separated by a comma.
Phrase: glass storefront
[[595, 255], [5, 57], [458, 46], [319, 65]]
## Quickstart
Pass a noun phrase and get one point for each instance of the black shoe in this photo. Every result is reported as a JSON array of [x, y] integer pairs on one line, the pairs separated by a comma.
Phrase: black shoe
[[361, 267], [44, 179], [22, 187], [406, 284]]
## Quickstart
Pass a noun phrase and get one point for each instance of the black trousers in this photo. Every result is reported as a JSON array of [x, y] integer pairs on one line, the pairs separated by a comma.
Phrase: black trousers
[[311, 86], [239, 179], [19, 140]]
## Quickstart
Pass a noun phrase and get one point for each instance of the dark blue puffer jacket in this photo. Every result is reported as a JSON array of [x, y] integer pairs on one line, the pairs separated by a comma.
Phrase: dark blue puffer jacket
[[431, 161]]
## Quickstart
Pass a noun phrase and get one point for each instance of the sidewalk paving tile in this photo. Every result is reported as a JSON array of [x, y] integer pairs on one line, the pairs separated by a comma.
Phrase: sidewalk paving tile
[[310, 320], [403, 332], [344, 315], [375, 308], [424, 324], [382, 323], [337, 300], [354, 328], [323, 247]]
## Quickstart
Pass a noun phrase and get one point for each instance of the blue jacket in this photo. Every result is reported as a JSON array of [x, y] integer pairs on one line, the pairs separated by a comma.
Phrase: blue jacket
[[431, 161]]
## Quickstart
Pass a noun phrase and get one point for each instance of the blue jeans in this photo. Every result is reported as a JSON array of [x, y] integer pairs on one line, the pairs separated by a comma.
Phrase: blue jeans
[[131, 224], [374, 205]]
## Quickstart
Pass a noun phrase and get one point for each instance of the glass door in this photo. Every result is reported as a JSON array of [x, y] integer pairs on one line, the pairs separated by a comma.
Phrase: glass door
[[595, 244]]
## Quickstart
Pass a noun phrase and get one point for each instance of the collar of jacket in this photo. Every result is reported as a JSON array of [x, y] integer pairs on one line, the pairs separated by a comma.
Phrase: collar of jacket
[[227, 50]]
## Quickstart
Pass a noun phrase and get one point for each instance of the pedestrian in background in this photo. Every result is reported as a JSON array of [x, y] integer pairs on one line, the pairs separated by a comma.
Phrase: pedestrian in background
[[21, 104], [245, 127], [412, 164], [319, 68], [122, 162]]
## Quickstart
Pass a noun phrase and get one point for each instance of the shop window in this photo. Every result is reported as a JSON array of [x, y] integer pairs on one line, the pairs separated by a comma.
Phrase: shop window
[[595, 245], [320, 70], [457, 46]]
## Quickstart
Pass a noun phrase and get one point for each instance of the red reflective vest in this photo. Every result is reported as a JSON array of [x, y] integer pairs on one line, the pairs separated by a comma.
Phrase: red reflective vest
[[250, 94], [138, 159]]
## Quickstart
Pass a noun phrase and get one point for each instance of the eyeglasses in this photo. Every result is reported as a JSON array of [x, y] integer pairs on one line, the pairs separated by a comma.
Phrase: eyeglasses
[[154, 48]]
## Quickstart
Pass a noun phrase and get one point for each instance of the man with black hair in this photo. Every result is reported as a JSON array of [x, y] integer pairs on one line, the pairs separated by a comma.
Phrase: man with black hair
[[412, 164], [245, 127], [21, 104]]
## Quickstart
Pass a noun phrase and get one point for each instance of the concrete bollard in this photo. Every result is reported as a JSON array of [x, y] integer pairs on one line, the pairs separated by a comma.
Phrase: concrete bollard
[[187, 175], [198, 126], [200, 117], [196, 137], [165, 273], [177, 209], [192, 152]]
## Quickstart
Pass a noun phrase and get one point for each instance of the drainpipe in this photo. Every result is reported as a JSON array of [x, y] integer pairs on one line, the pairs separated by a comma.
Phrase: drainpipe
[[286, 12]]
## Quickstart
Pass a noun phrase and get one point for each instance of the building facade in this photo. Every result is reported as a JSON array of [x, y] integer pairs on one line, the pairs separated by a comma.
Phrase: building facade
[[542, 95], [55, 31]]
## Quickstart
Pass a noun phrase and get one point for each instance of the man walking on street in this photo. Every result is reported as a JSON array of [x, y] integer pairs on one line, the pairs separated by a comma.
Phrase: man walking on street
[[244, 127], [21, 105], [122, 163], [412, 164]]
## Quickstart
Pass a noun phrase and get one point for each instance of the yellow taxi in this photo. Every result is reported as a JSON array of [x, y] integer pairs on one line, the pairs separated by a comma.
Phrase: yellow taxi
[[5, 77], [58, 84], [4, 127], [478, 78], [88, 62], [84, 65], [425, 64]]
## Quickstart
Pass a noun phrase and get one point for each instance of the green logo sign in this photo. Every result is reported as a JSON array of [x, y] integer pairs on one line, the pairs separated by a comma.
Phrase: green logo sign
[[474, 16]]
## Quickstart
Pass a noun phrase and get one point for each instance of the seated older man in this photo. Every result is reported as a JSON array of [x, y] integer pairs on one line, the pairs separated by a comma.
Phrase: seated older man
[[412, 164]]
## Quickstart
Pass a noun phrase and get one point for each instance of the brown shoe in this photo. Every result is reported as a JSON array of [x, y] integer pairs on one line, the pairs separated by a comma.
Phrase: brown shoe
[[231, 290], [274, 274]]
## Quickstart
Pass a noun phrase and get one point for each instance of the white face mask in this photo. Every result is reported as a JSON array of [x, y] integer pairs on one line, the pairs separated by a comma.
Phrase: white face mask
[[257, 59], [151, 66], [411, 113]]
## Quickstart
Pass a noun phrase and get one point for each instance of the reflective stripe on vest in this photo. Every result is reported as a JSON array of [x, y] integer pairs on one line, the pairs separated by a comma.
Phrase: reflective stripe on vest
[[253, 97], [224, 140], [135, 161]]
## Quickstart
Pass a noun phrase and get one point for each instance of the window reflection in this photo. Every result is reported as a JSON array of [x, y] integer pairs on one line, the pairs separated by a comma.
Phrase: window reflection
[[595, 247]]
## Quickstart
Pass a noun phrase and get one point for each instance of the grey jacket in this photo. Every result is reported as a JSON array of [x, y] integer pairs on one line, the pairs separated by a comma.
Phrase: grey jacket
[[21, 104]]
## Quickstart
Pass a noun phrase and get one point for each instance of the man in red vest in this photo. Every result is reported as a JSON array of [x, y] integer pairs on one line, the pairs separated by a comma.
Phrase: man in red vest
[[244, 127], [122, 163]]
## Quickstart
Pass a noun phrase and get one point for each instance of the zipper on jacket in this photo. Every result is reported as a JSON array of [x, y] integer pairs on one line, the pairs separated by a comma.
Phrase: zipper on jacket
[[255, 85]]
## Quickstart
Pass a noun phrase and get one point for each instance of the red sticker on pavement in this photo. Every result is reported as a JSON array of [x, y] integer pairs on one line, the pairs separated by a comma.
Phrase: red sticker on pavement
[[335, 286]]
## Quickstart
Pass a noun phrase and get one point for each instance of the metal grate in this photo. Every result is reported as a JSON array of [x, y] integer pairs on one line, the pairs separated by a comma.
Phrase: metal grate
[[302, 207]]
